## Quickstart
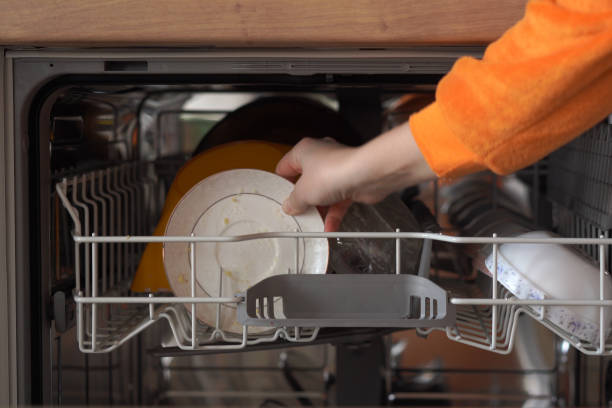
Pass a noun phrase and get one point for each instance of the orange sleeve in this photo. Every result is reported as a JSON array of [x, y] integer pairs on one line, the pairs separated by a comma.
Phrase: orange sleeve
[[545, 81]]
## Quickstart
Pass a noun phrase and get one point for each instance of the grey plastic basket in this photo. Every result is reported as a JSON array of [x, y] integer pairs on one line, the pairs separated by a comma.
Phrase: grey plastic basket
[[346, 301]]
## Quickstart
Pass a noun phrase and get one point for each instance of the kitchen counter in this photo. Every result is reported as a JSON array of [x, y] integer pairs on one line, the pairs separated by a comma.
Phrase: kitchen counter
[[256, 23]]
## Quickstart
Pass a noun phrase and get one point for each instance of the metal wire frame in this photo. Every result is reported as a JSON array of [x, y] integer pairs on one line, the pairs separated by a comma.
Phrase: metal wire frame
[[487, 323], [268, 394], [475, 323], [103, 330], [468, 396]]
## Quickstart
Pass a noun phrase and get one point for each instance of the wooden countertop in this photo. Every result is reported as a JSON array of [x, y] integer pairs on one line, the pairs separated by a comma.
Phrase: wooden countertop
[[251, 23]]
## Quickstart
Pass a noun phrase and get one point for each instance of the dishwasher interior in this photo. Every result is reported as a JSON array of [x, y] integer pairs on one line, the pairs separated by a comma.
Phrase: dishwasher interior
[[104, 151]]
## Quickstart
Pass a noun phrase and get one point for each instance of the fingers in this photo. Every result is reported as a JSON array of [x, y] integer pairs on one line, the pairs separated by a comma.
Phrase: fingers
[[335, 213], [289, 167], [311, 157]]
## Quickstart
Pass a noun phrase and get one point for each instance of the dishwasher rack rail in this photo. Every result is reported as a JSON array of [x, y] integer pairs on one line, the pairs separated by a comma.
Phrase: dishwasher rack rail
[[109, 316]]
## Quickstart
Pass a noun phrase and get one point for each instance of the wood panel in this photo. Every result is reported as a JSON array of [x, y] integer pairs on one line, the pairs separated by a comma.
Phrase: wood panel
[[362, 23]]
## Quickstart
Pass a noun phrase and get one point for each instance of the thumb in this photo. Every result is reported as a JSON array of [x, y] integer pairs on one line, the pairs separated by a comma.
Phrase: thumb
[[295, 204]]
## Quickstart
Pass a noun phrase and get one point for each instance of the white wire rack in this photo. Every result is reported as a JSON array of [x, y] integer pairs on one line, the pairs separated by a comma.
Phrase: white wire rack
[[108, 315]]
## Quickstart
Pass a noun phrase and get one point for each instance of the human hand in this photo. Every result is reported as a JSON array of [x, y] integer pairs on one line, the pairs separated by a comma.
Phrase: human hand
[[332, 175], [324, 169]]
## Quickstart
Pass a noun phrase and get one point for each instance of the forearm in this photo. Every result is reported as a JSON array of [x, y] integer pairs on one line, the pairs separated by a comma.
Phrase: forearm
[[389, 162]]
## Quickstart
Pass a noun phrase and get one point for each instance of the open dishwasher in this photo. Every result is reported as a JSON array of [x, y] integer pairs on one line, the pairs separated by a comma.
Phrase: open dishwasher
[[92, 142]]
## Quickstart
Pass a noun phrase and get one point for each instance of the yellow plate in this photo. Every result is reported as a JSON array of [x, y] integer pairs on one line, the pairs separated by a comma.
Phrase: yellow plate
[[260, 155]]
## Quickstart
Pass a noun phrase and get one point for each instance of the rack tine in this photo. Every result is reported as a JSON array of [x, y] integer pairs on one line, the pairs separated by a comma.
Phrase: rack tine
[[89, 201], [219, 294], [118, 224], [398, 254], [127, 248], [192, 258], [602, 269], [132, 217], [98, 196], [124, 226], [62, 190], [494, 296], [138, 203], [108, 225], [150, 187], [94, 293], [78, 203]]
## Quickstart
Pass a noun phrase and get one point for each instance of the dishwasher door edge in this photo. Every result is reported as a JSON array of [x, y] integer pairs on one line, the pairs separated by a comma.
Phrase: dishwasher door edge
[[8, 325]]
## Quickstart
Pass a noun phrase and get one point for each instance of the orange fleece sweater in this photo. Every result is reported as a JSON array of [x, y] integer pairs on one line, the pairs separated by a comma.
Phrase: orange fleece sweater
[[545, 81]]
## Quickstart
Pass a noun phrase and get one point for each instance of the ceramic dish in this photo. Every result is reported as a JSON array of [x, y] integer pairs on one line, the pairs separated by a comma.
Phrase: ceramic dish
[[253, 154], [238, 202], [551, 271]]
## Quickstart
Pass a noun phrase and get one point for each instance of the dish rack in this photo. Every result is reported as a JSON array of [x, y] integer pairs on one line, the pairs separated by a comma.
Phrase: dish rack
[[108, 315]]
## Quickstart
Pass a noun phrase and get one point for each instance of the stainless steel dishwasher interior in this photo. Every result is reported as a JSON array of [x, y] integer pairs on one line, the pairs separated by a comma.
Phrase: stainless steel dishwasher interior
[[170, 126]]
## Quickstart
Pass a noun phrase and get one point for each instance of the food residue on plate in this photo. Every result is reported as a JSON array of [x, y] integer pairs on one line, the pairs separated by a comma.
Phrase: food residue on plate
[[226, 221], [233, 277], [181, 278]]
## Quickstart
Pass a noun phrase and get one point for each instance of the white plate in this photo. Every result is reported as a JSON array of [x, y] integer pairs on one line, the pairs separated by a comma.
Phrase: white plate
[[552, 271], [238, 202]]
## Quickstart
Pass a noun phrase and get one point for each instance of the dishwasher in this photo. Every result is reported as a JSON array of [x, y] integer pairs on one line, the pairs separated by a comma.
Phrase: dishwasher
[[92, 140]]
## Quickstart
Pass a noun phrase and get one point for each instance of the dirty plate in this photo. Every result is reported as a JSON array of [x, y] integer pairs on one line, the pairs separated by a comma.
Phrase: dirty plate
[[238, 202]]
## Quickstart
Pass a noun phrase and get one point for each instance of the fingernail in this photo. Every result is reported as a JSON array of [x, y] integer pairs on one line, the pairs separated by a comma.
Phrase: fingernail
[[287, 208]]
